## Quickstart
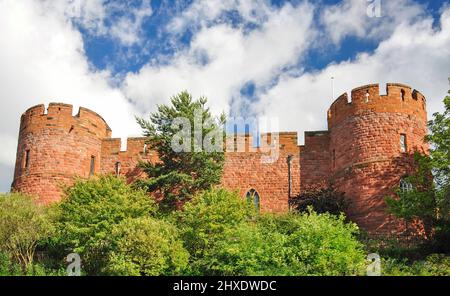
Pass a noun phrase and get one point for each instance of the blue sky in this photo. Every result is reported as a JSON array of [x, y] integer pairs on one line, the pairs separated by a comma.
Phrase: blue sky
[[250, 58], [106, 53]]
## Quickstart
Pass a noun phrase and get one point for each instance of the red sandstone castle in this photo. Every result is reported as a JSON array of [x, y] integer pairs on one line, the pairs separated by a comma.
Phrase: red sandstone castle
[[365, 153]]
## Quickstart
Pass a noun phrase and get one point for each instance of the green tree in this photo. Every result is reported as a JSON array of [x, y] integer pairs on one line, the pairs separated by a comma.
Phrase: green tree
[[23, 223], [439, 139], [91, 210], [189, 126], [146, 246], [429, 201]]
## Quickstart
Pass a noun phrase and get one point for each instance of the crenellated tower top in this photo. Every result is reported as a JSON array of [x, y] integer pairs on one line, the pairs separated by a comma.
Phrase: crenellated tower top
[[399, 98]]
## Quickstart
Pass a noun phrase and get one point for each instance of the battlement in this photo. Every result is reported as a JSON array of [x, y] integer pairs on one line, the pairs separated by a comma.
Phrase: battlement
[[59, 115], [135, 146], [399, 98], [287, 141]]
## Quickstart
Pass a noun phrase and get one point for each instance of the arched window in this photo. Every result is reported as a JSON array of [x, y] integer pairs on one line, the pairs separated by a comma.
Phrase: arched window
[[405, 185], [402, 93], [253, 197]]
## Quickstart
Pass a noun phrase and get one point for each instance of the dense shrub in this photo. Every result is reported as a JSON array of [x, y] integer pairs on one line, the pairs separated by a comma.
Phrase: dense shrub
[[89, 213], [146, 246], [322, 200], [246, 250], [23, 223], [322, 243], [205, 219], [433, 265], [224, 238]]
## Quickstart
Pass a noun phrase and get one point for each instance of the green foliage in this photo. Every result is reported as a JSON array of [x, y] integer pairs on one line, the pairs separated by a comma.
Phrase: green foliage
[[433, 265], [89, 213], [246, 250], [205, 219], [23, 223], [224, 238], [439, 139], [322, 200], [146, 246], [323, 243], [180, 174], [429, 201]]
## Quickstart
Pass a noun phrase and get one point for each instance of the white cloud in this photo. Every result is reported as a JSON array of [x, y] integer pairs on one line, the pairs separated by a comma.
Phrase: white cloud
[[233, 56], [415, 54], [121, 21], [42, 60], [351, 18]]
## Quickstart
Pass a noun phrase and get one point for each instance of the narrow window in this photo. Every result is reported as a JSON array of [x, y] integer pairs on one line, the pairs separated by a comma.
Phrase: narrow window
[[405, 186], [403, 145], [92, 168], [145, 149], [26, 163], [403, 95], [367, 97], [334, 158], [118, 166], [253, 198]]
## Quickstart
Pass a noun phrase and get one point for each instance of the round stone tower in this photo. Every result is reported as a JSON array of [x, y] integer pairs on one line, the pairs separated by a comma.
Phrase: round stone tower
[[54, 147], [373, 138]]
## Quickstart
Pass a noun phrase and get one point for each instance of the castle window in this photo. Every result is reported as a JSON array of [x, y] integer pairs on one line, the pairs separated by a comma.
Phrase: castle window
[[403, 95], [26, 163], [334, 158], [366, 100], [403, 145], [117, 168], [92, 167], [145, 149], [253, 198], [405, 186]]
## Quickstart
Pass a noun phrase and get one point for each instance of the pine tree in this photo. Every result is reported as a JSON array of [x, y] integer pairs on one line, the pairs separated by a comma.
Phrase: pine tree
[[189, 142]]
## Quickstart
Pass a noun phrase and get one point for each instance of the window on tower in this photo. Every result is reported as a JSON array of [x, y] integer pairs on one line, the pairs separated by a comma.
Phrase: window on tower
[[92, 167], [403, 145], [26, 163]]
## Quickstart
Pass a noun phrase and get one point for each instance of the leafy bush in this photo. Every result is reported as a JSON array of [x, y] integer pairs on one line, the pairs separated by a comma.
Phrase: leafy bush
[[246, 250], [434, 265], [146, 246], [322, 243], [224, 238], [322, 200], [205, 219], [23, 223], [89, 213]]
